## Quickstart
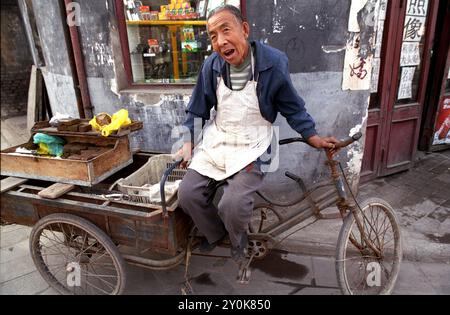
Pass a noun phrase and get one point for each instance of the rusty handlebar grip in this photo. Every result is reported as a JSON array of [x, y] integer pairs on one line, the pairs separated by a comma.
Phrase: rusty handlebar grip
[[349, 141]]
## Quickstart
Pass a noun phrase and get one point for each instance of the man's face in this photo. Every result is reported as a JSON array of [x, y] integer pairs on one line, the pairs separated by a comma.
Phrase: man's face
[[229, 37]]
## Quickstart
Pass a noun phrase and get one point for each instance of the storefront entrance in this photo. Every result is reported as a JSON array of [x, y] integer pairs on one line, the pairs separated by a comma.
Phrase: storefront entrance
[[404, 53]]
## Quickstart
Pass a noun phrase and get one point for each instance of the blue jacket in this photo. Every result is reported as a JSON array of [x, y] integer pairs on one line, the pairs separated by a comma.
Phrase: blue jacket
[[275, 91]]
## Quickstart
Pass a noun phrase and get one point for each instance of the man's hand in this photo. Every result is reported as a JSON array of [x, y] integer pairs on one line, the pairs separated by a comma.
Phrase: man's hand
[[186, 154], [323, 143]]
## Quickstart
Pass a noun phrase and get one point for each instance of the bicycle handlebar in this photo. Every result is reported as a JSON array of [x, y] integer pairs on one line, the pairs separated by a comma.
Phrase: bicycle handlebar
[[292, 140], [339, 145], [349, 140]]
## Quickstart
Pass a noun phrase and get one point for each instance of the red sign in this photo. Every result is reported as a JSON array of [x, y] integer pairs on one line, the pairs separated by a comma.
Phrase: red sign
[[442, 130]]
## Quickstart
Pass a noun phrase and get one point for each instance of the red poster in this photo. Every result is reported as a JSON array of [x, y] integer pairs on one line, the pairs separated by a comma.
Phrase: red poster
[[442, 130]]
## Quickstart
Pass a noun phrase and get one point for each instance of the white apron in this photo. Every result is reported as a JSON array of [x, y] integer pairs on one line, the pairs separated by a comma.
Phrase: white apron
[[236, 136]]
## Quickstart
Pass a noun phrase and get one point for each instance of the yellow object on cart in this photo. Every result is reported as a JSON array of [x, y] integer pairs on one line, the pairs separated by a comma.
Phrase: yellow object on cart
[[118, 120]]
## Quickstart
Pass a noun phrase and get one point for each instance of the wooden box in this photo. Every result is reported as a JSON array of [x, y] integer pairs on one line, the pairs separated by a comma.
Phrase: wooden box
[[115, 154]]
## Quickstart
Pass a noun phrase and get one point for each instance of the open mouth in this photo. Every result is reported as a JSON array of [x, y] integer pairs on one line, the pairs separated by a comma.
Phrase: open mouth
[[228, 53]]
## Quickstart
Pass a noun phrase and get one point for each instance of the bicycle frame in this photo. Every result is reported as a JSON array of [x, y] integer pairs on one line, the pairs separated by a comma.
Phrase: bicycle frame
[[313, 208]]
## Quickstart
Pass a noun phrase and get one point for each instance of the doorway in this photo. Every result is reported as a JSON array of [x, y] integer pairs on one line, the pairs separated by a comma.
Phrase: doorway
[[404, 53]]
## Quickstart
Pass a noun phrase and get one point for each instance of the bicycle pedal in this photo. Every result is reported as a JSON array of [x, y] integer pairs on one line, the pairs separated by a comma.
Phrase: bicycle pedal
[[244, 276], [187, 290]]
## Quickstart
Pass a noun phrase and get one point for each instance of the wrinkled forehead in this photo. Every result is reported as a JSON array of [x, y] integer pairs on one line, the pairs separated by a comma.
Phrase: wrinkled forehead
[[221, 20]]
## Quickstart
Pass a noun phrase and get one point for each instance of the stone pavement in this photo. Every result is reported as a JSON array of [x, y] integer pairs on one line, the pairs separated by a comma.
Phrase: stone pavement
[[278, 274], [421, 199]]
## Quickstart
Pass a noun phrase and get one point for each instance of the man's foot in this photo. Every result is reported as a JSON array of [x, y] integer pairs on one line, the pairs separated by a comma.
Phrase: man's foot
[[205, 247]]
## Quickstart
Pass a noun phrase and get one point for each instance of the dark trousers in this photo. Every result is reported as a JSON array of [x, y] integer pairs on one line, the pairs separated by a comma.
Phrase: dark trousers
[[234, 209]]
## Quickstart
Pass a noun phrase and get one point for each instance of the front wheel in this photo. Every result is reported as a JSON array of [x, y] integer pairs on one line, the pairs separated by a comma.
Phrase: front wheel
[[368, 256]]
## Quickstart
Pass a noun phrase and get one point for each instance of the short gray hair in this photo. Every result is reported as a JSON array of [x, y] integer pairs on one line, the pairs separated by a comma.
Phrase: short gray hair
[[230, 8]]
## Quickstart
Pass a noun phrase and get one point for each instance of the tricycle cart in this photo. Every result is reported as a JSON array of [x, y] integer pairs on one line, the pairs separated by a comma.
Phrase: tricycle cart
[[81, 241]]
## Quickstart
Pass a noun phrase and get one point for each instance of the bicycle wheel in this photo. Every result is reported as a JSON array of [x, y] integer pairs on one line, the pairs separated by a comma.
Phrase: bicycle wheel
[[75, 257], [360, 269]]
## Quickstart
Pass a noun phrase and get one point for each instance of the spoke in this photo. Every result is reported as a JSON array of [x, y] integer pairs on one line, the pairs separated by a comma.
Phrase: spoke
[[359, 257], [56, 248], [71, 233], [83, 243], [63, 231], [53, 242], [51, 230], [55, 272], [93, 286], [100, 277], [378, 216], [386, 271], [89, 247], [384, 232], [387, 242], [371, 220], [98, 258]]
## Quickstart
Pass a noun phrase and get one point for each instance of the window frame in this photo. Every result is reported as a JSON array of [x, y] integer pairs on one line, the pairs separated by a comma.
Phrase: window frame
[[122, 26]]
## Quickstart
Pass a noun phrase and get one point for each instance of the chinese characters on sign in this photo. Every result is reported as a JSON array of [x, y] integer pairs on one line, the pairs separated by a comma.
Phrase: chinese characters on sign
[[357, 71], [405, 88], [417, 7], [375, 75], [411, 55], [414, 28], [380, 17], [357, 67]]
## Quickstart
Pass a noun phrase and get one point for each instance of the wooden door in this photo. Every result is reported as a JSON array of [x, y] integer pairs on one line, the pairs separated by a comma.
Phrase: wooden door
[[396, 109]]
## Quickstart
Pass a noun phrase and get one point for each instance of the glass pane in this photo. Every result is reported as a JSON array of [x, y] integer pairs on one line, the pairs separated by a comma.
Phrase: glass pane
[[379, 24], [168, 40], [412, 51]]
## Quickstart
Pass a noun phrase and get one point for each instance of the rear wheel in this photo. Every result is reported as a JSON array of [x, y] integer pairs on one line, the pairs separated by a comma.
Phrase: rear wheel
[[75, 257], [370, 264]]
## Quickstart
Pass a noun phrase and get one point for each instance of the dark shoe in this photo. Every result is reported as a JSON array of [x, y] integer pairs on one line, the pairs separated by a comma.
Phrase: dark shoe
[[206, 247]]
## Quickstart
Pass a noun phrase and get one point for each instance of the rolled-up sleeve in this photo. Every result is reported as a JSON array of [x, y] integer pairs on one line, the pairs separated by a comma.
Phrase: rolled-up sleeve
[[291, 105]]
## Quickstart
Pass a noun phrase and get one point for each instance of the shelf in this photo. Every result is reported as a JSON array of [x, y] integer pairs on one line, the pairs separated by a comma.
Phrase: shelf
[[167, 22]]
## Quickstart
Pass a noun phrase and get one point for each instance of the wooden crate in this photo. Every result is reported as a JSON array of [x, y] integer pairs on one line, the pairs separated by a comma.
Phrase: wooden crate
[[77, 172]]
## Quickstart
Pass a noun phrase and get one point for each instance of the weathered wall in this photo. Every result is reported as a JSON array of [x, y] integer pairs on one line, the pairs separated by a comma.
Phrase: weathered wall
[[312, 33], [16, 61]]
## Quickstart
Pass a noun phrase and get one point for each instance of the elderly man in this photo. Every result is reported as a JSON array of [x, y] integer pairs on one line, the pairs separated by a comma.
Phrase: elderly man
[[240, 91]]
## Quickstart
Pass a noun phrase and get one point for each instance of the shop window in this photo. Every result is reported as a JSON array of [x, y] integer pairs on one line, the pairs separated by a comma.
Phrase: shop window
[[166, 40]]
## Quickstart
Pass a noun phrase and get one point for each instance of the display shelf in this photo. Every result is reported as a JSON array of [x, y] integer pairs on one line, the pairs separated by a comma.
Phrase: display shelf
[[167, 22]]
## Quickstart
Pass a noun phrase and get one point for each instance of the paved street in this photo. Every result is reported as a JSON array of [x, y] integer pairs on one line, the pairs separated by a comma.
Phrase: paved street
[[280, 273]]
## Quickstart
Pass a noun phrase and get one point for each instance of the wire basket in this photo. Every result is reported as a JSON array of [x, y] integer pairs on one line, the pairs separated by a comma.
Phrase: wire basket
[[137, 185]]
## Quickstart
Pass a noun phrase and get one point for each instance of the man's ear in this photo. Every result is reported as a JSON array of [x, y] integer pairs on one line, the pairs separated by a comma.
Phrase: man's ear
[[246, 28]]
